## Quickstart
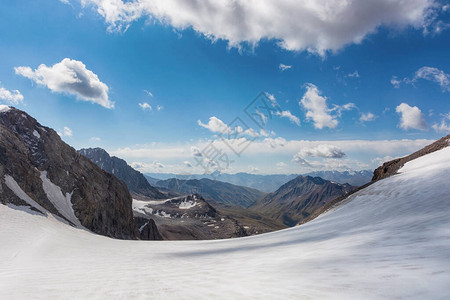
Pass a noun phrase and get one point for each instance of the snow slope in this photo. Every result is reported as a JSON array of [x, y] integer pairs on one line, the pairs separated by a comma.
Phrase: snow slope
[[388, 241]]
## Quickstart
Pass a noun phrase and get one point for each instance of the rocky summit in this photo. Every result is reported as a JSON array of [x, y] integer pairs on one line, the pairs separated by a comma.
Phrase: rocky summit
[[38, 169], [299, 198], [135, 181]]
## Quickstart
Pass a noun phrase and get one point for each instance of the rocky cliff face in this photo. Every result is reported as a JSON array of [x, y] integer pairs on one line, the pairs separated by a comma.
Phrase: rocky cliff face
[[37, 168], [135, 180], [299, 198]]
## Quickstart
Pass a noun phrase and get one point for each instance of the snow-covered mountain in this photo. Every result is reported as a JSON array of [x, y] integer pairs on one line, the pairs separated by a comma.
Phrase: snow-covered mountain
[[390, 240]]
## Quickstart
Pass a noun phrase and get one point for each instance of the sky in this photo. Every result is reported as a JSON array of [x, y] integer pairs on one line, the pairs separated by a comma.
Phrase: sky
[[265, 87]]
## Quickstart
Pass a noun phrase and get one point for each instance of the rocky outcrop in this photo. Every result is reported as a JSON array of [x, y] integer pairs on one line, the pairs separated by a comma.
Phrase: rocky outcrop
[[135, 181], [391, 167], [36, 165], [147, 229], [187, 217], [299, 198]]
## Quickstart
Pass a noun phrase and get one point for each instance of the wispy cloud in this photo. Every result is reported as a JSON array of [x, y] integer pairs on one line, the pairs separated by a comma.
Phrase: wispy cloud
[[65, 132], [284, 67], [425, 73], [145, 106]]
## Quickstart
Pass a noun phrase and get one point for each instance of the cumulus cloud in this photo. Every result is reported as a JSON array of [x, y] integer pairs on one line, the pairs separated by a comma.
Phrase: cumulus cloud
[[323, 150], [444, 125], [411, 117], [215, 125], [71, 77], [145, 106], [425, 73], [12, 97], [367, 117], [325, 25], [284, 67], [317, 109]]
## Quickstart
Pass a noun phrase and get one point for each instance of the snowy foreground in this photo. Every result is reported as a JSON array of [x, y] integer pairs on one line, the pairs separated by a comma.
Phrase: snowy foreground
[[391, 240]]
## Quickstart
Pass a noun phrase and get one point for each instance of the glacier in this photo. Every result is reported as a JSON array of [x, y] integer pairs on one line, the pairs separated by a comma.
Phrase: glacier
[[389, 240]]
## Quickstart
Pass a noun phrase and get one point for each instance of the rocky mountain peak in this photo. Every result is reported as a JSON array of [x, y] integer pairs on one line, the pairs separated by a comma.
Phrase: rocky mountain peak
[[134, 179], [38, 169]]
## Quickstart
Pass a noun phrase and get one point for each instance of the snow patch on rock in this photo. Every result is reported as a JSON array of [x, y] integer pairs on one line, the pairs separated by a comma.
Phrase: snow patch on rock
[[61, 202]]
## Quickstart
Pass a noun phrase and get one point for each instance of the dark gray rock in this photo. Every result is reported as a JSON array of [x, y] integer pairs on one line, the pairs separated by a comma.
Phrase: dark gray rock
[[135, 180], [100, 201]]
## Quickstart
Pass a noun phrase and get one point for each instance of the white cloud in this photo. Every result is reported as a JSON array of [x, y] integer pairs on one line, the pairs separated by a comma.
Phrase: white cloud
[[367, 117], [434, 74], [95, 139], [411, 117], [159, 107], [263, 154], [12, 97], [325, 25], [71, 77], [145, 106], [147, 167], [284, 67], [426, 73], [281, 164], [289, 115], [395, 82], [317, 109], [216, 125], [380, 160], [148, 93], [187, 164], [196, 152], [444, 125], [65, 132], [322, 150], [355, 74], [300, 160]]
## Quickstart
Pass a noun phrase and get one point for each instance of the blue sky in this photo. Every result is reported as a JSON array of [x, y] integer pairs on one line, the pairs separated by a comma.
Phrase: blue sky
[[158, 83]]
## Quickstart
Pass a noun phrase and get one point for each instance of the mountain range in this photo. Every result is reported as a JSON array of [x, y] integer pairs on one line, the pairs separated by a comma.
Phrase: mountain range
[[269, 183], [387, 240], [218, 191]]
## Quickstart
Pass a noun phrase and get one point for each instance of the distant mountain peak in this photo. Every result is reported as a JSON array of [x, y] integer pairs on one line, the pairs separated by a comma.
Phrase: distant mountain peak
[[134, 179]]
